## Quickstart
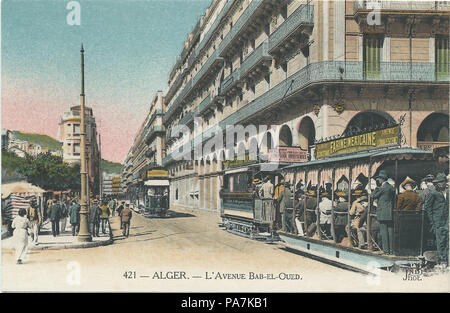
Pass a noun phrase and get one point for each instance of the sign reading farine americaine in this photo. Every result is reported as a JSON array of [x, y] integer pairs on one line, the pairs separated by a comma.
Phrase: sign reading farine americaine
[[374, 139]]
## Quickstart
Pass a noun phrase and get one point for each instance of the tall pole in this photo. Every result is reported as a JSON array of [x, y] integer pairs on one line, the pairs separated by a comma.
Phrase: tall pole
[[100, 179], [83, 235]]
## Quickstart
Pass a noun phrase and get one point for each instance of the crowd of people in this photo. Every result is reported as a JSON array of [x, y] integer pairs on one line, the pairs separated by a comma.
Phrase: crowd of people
[[296, 213], [62, 209]]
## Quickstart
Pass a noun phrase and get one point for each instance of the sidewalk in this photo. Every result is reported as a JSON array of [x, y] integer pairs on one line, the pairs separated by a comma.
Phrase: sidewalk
[[63, 241]]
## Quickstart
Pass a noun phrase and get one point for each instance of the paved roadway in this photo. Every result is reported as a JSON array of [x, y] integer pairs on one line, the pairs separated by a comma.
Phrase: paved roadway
[[184, 246]]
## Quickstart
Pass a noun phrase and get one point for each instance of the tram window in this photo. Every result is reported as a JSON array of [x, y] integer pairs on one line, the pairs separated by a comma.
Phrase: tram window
[[240, 182]]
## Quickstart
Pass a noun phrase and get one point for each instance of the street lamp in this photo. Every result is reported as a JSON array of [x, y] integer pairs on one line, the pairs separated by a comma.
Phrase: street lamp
[[83, 234]]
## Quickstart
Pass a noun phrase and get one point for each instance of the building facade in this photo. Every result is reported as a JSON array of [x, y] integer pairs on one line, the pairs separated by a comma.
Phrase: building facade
[[69, 136], [111, 185], [146, 150], [314, 70]]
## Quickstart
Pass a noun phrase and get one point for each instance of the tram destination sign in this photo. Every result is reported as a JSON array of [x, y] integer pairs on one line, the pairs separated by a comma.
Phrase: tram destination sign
[[374, 139]]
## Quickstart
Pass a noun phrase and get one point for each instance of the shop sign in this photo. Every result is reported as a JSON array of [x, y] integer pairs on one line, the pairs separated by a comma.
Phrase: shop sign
[[374, 139]]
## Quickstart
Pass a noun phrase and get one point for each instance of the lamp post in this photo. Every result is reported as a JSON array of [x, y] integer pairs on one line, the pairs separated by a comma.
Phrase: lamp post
[[83, 235]]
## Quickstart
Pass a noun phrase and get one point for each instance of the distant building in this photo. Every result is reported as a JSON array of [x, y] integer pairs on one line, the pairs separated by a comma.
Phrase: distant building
[[111, 184], [6, 137], [69, 136], [146, 151]]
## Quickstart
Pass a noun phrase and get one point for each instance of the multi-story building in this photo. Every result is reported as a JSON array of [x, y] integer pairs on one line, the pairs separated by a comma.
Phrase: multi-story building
[[111, 184], [69, 136], [146, 150], [315, 69]]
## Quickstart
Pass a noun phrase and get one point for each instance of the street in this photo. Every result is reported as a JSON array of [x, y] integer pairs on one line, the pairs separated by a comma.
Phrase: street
[[185, 252]]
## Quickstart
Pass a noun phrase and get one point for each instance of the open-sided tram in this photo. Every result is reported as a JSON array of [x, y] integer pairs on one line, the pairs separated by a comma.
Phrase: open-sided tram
[[348, 233]]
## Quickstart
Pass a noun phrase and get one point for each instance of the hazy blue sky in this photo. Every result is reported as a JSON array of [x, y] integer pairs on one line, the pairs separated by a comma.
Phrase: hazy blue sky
[[130, 47]]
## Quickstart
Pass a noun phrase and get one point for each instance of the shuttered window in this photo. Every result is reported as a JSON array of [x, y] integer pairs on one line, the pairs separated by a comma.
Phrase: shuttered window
[[442, 57], [372, 55]]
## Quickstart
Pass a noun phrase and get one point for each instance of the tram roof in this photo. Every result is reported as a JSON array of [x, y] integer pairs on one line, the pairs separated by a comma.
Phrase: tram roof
[[400, 152]]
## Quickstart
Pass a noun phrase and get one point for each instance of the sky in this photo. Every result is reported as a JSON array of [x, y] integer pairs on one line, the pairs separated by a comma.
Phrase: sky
[[130, 47]]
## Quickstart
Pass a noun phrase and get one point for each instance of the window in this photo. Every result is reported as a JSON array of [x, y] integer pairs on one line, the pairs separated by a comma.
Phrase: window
[[442, 57], [284, 12], [76, 129], [76, 149], [372, 55]]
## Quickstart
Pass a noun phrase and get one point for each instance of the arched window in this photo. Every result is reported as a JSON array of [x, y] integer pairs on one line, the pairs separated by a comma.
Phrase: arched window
[[285, 137], [368, 120], [434, 128]]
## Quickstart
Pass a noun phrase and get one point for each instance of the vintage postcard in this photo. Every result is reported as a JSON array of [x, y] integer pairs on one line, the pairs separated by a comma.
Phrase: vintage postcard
[[225, 146]]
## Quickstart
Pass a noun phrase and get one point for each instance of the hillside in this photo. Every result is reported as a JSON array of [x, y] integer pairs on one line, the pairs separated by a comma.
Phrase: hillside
[[40, 139], [111, 167], [53, 144]]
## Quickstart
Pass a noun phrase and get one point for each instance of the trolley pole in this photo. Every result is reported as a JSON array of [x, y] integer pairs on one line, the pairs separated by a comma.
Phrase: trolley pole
[[83, 235]]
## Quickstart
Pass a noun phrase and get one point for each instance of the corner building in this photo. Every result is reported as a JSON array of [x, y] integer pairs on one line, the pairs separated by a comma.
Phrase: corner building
[[316, 69]]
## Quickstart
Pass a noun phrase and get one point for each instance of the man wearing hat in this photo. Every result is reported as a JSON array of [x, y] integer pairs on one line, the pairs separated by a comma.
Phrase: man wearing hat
[[426, 187], [436, 206], [266, 191], [385, 196], [408, 200], [94, 215], [286, 202], [125, 219]]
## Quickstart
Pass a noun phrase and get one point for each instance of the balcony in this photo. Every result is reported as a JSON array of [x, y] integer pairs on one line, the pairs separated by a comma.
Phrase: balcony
[[230, 81], [243, 20], [419, 73], [204, 105], [369, 5], [300, 20], [212, 61], [153, 131], [256, 58], [187, 118]]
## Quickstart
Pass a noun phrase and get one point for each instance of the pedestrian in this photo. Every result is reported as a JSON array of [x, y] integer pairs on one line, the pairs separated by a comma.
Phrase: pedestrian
[[104, 216], [94, 215], [286, 205], [74, 213], [55, 213], [408, 200], [35, 218], [341, 217], [21, 225], [266, 191], [112, 206], [385, 196], [125, 219], [426, 187], [436, 206], [119, 211], [63, 218], [325, 207]]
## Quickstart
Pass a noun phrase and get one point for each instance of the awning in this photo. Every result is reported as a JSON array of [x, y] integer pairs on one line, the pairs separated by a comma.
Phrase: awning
[[157, 182], [20, 187]]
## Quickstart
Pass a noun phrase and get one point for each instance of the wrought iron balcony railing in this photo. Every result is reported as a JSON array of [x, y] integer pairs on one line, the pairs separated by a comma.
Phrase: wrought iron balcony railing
[[402, 5], [230, 80], [303, 15], [257, 56], [204, 104], [240, 23]]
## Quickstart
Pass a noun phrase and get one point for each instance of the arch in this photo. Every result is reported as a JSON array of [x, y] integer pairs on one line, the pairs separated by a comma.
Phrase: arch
[[306, 133], [241, 151], [434, 128], [253, 149], [285, 136], [267, 142], [368, 120]]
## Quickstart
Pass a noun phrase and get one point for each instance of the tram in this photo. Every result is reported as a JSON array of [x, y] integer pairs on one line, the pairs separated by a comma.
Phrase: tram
[[243, 211], [156, 189], [345, 178]]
